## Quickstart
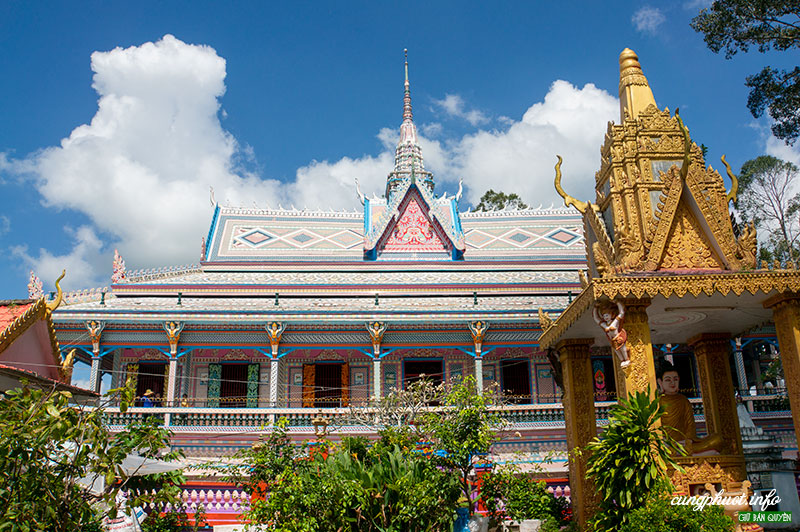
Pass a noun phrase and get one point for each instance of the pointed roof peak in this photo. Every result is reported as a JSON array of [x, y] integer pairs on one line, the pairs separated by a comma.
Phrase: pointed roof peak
[[635, 94], [407, 114]]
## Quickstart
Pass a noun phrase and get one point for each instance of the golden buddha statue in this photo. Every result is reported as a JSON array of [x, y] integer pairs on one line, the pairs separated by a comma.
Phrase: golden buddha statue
[[678, 418]]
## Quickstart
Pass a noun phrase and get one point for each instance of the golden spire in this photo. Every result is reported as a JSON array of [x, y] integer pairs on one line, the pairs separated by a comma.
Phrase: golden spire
[[634, 91]]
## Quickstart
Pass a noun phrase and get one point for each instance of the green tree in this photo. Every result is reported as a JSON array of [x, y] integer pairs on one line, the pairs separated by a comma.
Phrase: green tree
[[629, 461], [52, 450], [496, 201], [736, 25], [463, 430], [354, 486], [658, 515], [766, 196]]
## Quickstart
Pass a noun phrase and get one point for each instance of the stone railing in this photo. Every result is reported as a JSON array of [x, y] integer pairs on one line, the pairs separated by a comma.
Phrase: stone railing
[[185, 419]]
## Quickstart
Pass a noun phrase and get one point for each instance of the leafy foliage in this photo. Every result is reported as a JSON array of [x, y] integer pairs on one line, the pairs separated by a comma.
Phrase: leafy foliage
[[522, 497], [496, 201], [766, 196], [628, 462], [736, 25], [464, 430], [52, 450], [352, 486], [173, 520], [658, 515]]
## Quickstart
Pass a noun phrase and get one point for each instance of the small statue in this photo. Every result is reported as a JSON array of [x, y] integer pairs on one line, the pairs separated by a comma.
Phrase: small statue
[[545, 321], [604, 316]]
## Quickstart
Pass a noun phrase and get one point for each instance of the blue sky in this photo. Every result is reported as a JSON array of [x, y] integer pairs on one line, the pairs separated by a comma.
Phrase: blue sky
[[288, 102]]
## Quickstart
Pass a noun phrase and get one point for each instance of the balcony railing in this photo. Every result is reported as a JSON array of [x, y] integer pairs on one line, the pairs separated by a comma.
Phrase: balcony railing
[[187, 418]]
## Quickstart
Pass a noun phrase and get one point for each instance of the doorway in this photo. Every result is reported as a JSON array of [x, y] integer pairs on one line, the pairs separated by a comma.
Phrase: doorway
[[328, 385], [233, 386], [414, 370], [515, 378], [151, 377]]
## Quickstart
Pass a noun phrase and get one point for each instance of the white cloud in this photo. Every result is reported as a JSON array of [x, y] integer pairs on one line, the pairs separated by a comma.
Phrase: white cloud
[[5, 224], [142, 168], [82, 263], [570, 122], [647, 19], [453, 105], [778, 148]]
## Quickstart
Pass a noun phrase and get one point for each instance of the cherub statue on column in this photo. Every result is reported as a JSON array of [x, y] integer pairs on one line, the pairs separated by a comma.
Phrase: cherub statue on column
[[610, 319]]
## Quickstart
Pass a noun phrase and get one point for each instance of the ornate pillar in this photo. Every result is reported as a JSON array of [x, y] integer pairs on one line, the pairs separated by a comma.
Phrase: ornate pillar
[[478, 331], [95, 329], [376, 330], [712, 351], [738, 359], [579, 419], [786, 315], [641, 372], [275, 331], [173, 330]]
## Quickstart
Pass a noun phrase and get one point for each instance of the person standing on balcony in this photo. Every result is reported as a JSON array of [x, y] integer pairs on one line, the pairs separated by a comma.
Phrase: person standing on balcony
[[147, 399]]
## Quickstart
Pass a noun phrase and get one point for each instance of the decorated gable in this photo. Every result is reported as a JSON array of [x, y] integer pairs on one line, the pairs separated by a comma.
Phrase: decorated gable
[[414, 231]]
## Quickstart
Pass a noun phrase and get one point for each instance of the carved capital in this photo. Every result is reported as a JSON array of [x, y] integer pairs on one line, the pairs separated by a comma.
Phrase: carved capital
[[376, 330], [275, 331], [478, 331], [173, 330], [95, 329]]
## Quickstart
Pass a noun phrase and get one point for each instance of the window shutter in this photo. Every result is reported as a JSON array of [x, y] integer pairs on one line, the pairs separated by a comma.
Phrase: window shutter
[[253, 371], [214, 377]]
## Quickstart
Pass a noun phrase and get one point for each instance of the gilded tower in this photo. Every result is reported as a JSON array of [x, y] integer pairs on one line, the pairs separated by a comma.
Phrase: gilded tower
[[657, 205]]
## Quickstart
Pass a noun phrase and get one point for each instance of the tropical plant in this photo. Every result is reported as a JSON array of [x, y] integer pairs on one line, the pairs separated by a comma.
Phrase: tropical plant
[[51, 453], [387, 486], [629, 461], [735, 26], [509, 494], [658, 515], [462, 431]]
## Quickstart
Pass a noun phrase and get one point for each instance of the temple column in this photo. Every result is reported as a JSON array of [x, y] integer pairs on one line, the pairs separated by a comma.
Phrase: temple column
[[173, 330], [712, 351], [478, 331], [579, 420], [641, 372], [376, 330], [94, 375], [172, 383], [274, 375], [95, 329], [786, 315], [479, 372], [376, 379], [275, 331]]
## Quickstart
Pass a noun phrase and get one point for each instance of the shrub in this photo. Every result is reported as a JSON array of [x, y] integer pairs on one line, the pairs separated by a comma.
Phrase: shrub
[[630, 460], [658, 515]]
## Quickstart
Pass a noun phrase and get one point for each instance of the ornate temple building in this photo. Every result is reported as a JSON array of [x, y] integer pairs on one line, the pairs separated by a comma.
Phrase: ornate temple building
[[298, 313], [303, 310]]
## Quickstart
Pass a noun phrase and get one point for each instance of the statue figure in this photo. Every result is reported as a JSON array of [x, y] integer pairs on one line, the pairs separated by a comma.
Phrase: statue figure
[[610, 320], [678, 418]]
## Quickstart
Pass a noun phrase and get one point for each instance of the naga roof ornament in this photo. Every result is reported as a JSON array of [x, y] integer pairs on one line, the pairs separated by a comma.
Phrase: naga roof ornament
[[118, 273], [35, 290]]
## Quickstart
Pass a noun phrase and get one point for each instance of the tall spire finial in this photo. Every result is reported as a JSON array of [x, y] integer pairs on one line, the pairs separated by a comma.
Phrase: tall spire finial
[[407, 114], [634, 91]]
